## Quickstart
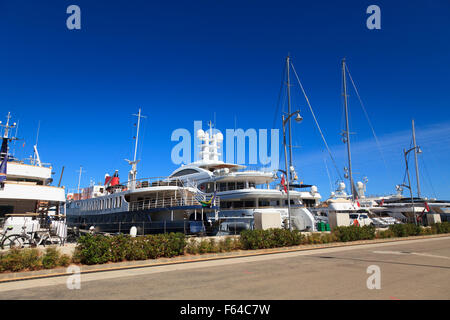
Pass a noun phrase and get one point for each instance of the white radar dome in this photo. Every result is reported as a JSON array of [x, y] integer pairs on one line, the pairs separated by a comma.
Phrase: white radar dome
[[200, 133]]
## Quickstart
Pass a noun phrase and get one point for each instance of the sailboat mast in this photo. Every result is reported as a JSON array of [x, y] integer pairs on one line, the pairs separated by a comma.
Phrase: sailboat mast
[[347, 131], [415, 158], [288, 170]]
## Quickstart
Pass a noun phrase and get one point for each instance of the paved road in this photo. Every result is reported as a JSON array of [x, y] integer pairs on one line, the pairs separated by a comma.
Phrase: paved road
[[417, 269]]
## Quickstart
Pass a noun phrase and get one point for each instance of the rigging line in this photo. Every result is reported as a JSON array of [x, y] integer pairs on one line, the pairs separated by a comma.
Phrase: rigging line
[[279, 98], [328, 173], [368, 119], [317, 123], [141, 147], [428, 177], [407, 159]]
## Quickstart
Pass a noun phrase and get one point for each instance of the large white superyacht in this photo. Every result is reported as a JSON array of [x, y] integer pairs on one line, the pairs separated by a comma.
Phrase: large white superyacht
[[144, 206], [242, 192]]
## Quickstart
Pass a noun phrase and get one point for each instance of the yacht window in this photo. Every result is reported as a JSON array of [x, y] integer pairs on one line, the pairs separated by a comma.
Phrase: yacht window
[[222, 186], [353, 216], [251, 185], [238, 204], [240, 185], [263, 203], [274, 202], [231, 185], [184, 172], [249, 204], [226, 204]]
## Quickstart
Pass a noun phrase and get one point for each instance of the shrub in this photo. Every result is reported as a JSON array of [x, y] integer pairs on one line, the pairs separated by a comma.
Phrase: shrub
[[271, 238], [443, 227], [93, 249], [97, 249], [16, 260], [20, 259], [405, 230], [354, 233], [384, 234], [50, 258]]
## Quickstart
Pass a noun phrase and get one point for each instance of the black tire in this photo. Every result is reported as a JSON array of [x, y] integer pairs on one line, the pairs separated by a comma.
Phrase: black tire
[[16, 241]]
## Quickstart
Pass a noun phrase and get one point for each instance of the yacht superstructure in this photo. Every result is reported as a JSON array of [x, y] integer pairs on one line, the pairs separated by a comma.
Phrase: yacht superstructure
[[28, 201], [26, 187], [244, 192]]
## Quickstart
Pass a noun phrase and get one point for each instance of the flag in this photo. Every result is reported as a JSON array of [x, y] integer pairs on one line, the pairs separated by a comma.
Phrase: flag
[[210, 202], [426, 206], [4, 149], [4, 157], [3, 170], [382, 202], [283, 183]]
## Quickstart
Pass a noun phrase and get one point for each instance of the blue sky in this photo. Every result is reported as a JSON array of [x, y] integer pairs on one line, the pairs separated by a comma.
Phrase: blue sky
[[196, 60]]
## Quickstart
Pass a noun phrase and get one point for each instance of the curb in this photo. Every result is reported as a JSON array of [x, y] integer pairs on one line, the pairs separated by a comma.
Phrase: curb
[[62, 271]]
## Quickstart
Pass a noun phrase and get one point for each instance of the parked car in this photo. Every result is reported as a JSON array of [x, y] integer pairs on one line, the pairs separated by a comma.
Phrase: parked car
[[379, 222], [362, 219]]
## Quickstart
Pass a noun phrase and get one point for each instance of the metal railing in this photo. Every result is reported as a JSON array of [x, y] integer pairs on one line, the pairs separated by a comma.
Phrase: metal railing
[[168, 202], [188, 227]]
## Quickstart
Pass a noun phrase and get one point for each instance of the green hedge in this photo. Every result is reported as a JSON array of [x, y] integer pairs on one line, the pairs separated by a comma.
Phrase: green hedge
[[212, 246], [271, 238], [410, 229], [98, 249], [16, 260], [405, 230], [354, 233]]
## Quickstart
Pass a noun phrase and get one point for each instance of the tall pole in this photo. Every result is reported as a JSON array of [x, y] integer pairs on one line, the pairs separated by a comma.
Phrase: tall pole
[[409, 184], [347, 133], [287, 174], [79, 178], [133, 172], [137, 134], [288, 170], [415, 159]]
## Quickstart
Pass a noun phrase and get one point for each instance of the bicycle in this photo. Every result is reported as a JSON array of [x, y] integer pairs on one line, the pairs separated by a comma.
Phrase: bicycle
[[31, 239], [3, 235]]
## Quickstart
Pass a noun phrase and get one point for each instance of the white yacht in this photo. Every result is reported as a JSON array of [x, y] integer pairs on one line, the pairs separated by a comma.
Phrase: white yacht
[[151, 205], [26, 194], [244, 192]]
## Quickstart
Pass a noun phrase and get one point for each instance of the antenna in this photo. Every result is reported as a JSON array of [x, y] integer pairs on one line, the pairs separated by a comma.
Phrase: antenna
[[35, 146], [6, 127], [133, 172], [60, 177], [79, 178]]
